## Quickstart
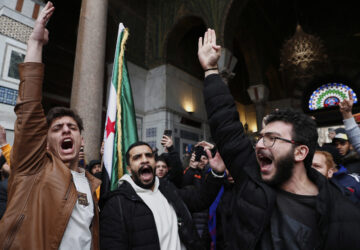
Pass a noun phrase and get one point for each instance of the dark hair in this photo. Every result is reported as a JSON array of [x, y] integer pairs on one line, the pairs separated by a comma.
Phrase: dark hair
[[93, 163], [135, 144], [164, 158], [303, 131], [58, 112]]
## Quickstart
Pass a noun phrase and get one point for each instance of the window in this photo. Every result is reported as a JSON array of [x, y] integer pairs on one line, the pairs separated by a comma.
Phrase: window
[[13, 56]]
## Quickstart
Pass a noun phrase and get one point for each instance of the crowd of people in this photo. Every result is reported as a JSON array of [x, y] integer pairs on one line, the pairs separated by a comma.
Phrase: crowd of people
[[287, 192]]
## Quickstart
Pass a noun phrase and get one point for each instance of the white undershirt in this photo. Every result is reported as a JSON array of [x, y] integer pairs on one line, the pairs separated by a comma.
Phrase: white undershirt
[[77, 234], [164, 214]]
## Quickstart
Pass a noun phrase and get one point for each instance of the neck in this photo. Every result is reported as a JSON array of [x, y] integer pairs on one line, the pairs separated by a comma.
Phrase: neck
[[73, 165], [299, 182]]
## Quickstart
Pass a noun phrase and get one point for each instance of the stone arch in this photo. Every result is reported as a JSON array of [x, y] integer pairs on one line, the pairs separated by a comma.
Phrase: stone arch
[[181, 44]]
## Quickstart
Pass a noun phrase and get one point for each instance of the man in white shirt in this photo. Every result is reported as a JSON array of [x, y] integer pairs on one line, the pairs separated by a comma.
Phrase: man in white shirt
[[146, 211]]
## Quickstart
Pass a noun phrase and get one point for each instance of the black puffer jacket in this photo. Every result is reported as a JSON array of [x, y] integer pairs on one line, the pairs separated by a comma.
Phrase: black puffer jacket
[[127, 223], [351, 162], [194, 178], [253, 201]]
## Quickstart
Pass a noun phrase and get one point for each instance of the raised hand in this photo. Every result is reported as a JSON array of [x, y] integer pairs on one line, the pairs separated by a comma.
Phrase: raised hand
[[217, 164], [346, 107], [193, 163], [205, 144], [40, 33], [166, 141], [208, 52]]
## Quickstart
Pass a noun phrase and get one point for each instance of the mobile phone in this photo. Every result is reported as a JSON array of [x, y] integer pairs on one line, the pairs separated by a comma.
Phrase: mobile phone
[[168, 132], [199, 151]]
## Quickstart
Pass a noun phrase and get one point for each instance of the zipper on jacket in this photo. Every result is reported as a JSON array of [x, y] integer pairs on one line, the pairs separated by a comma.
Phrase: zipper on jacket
[[13, 232]]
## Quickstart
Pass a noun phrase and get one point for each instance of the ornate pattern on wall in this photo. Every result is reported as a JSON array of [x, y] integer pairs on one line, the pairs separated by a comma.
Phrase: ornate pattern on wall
[[14, 29], [8, 96], [329, 95]]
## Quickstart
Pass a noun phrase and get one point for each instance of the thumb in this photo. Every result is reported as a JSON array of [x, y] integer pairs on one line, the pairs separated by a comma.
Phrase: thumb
[[216, 47]]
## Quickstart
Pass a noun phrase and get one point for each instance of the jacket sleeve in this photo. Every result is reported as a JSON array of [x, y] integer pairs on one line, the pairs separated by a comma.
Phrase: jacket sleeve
[[226, 129], [113, 233], [29, 146], [199, 198], [353, 131], [175, 173]]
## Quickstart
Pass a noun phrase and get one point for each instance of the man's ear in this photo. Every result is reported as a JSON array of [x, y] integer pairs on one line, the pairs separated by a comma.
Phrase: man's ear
[[128, 169], [330, 173], [301, 153]]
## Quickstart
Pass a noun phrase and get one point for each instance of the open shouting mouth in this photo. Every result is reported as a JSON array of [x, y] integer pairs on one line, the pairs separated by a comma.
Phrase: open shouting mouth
[[146, 173], [67, 145], [265, 161]]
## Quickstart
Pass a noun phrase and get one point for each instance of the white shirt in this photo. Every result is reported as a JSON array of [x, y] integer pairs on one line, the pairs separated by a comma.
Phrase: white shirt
[[77, 234], [164, 214]]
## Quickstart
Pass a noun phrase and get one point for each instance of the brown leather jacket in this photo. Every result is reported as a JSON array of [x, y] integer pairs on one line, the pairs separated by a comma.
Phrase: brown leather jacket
[[41, 192]]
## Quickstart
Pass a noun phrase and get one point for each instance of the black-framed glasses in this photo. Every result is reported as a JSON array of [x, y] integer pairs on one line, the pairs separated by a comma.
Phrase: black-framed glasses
[[269, 140]]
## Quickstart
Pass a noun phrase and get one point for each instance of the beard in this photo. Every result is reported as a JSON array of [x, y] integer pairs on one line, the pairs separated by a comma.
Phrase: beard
[[136, 178], [284, 167]]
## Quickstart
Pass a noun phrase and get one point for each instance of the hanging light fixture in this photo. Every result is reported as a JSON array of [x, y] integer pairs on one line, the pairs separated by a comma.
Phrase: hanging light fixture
[[301, 53]]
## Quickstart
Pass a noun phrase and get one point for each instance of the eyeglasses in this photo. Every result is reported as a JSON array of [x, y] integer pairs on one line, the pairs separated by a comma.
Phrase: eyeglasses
[[269, 140]]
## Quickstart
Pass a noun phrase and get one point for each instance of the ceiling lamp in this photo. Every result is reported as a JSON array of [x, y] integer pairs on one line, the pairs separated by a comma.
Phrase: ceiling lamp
[[301, 53]]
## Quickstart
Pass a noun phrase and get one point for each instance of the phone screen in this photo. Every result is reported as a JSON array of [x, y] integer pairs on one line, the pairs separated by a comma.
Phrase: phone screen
[[168, 132]]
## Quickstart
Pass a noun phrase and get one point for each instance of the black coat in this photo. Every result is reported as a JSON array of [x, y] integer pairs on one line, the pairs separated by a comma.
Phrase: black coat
[[253, 201], [127, 223]]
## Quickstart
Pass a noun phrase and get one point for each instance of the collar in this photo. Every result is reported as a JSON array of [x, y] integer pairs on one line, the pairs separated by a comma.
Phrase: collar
[[127, 178]]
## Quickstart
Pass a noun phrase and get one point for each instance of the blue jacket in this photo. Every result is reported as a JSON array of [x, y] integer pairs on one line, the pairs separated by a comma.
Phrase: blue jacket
[[344, 179]]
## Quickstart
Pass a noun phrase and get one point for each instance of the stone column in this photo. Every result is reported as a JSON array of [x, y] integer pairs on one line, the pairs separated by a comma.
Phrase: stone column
[[88, 79]]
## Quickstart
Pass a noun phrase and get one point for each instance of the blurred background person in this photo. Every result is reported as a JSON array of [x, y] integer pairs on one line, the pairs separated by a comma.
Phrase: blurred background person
[[4, 176], [348, 184]]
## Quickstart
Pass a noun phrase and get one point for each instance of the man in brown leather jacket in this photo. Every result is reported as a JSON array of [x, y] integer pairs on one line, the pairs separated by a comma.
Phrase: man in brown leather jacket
[[51, 201]]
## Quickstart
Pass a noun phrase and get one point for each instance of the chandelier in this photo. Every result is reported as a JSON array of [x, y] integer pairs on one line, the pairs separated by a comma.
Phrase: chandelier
[[301, 53]]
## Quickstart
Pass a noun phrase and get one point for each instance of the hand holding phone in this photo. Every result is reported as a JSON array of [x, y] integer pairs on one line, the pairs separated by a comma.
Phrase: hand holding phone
[[166, 140]]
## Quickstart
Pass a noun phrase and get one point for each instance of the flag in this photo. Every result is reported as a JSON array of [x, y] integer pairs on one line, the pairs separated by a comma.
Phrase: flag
[[120, 125]]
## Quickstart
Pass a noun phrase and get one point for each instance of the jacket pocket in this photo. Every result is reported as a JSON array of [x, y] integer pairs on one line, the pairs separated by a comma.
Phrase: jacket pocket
[[12, 232]]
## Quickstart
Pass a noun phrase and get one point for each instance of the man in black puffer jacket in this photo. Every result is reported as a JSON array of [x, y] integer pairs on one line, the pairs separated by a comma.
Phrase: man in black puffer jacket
[[148, 213], [279, 201]]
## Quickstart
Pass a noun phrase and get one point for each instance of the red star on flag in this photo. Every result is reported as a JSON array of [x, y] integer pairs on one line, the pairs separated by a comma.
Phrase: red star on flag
[[110, 127]]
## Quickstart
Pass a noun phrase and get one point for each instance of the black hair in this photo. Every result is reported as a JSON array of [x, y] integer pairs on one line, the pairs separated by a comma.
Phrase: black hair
[[164, 158], [135, 144], [58, 112], [92, 164], [303, 132]]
